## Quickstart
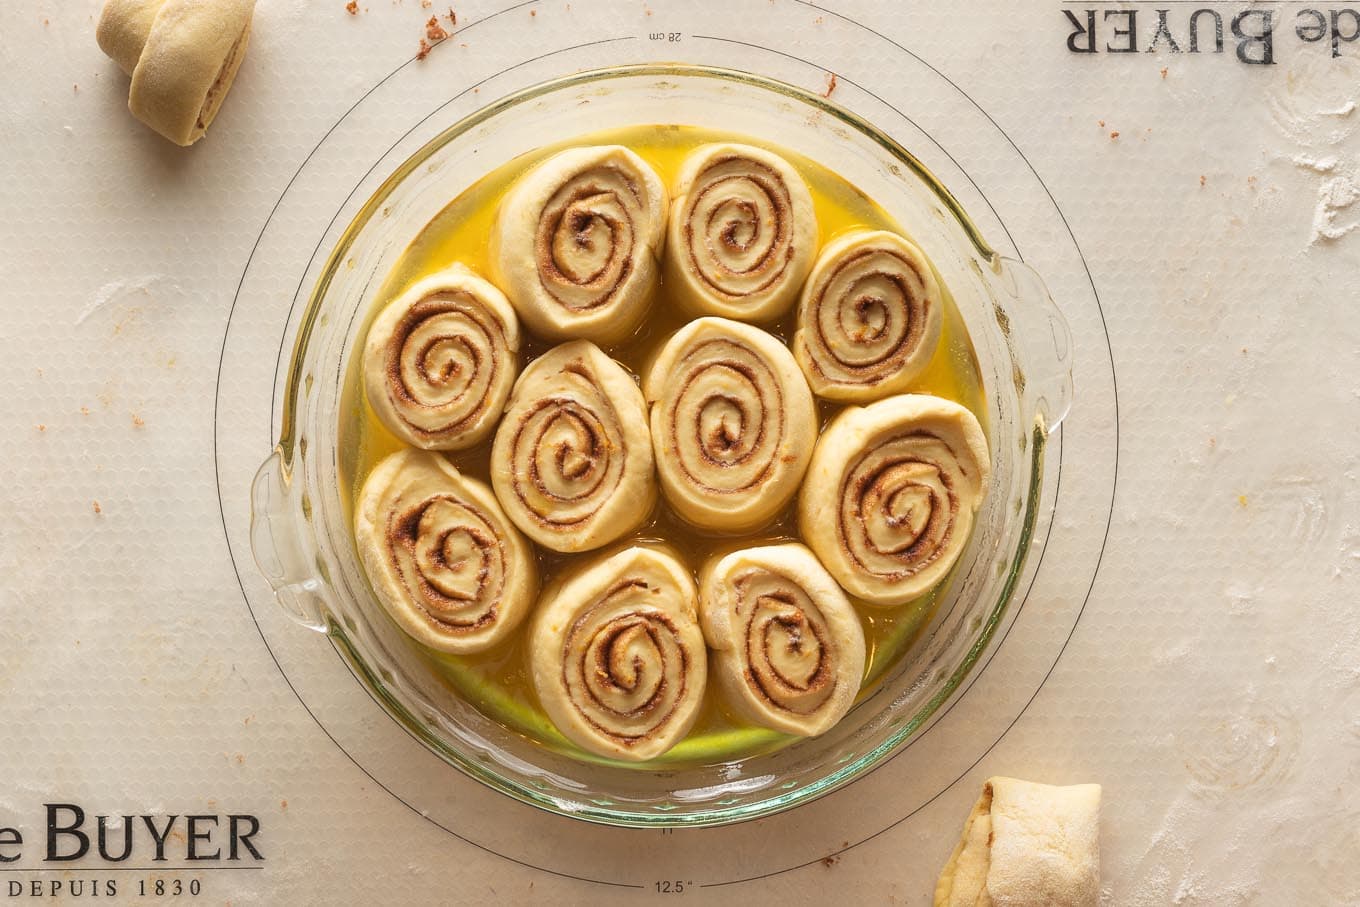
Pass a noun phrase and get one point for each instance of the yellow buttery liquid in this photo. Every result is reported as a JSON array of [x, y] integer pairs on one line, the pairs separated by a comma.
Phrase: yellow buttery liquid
[[497, 682]]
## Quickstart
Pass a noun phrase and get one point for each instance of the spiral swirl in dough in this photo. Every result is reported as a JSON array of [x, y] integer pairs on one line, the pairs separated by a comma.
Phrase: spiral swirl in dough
[[732, 421], [617, 656], [788, 648], [572, 460], [440, 360], [869, 318], [577, 242], [890, 495], [742, 233], [440, 554]]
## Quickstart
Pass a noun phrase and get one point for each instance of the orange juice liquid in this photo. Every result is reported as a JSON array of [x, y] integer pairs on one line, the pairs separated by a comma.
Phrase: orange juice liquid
[[497, 681]]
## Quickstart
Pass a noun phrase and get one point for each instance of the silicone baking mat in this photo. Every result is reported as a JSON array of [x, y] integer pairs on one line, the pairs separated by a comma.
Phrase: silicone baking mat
[[1184, 634]]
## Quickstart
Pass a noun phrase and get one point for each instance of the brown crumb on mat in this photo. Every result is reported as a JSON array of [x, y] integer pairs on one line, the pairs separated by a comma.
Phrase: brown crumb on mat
[[830, 861], [424, 49], [434, 31], [831, 81], [452, 17], [1100, 123], [426, 4], [1202, 179], [352, 7], [1163, 72], [97, 508], [1114, 134], [137, 421]]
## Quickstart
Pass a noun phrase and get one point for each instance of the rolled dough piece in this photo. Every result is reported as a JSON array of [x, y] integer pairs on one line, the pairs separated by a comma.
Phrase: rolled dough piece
[[440, 360], [869, 318], [182, 56], [889, 497], [123, 28], [742, 233], [1026, 844], [440, 554], [572, 458], [731, 418], [787, 645], [576, 243], [617, 656]]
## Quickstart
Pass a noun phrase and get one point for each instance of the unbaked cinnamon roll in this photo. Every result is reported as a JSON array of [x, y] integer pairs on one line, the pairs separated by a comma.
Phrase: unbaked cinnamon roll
[[890, 495], [440, 360], [733, 424], [440, 554], [577, 242], [617, 656], [788, 648], [869, 317], [742, 233], [572, 459]]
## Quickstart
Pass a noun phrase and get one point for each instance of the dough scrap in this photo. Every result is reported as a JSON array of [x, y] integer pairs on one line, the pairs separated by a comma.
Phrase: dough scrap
[[124, 26], [182, 56], [1026, 844]]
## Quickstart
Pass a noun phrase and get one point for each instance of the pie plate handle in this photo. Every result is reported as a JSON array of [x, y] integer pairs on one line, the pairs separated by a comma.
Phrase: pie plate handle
[[1040, 340], [278, 541]]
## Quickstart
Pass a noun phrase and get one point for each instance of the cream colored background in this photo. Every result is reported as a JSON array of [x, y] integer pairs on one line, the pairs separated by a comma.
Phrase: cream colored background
[[1212, 685]]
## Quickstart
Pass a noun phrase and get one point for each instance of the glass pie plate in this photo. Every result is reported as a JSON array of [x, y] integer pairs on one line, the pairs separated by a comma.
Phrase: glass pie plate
[[303, 543]]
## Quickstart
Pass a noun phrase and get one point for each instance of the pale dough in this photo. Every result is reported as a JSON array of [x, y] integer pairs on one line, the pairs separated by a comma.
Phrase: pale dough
[[440, 360], [889, 497], [788, 648], [869, 318], [440, 554], [732, 419], [123, 28], [572, 458], [742, 233], [1026, 844], [182, 56], [576, 243], [617, 656]]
